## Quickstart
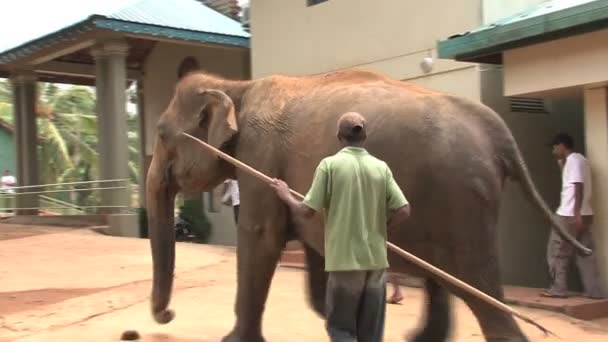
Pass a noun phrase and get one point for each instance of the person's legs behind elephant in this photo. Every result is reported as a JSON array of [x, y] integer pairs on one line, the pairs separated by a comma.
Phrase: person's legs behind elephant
[[587, 266], [559, 257], [396, 297]]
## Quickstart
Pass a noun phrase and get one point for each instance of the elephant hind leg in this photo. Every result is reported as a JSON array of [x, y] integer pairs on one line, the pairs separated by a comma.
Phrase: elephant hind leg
[[437, 325], [497, 326], [258, 252], [317, 280]]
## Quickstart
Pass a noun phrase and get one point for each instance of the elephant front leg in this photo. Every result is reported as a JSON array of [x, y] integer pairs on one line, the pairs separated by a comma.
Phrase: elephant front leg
[[317, 280], [438, 320], [259, 249]]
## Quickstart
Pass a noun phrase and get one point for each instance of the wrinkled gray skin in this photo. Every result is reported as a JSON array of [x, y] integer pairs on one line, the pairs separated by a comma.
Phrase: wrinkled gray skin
[[450, 155]]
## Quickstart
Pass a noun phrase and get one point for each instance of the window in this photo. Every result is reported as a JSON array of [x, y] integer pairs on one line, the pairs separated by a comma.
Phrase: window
[[527, 105], [314, 2]]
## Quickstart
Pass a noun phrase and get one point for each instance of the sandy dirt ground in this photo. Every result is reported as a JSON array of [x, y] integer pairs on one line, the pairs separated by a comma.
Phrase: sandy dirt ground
[[75, 285]]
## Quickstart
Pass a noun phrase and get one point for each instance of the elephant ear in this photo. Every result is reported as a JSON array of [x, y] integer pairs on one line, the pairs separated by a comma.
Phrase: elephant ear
[[219, 113]]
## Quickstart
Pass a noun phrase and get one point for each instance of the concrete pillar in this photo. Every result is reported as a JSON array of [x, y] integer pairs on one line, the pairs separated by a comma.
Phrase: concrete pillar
[[596, 141], [110, 83], [143, 169], [26, 138]]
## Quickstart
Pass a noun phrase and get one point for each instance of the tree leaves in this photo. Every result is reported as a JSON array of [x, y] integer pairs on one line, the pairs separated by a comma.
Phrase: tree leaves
[[67, 129]]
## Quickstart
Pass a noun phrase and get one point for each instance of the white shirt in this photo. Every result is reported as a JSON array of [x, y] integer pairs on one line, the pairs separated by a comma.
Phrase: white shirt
[[576, 170], [8, 182], [232, 192]]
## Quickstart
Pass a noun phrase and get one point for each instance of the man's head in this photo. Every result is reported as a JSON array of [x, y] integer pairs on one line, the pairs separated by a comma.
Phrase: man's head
[[351, 128], [562, 145], [6, 173]]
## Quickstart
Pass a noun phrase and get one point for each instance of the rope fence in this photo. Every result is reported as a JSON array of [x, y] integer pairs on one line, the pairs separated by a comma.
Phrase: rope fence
[[43, 200]]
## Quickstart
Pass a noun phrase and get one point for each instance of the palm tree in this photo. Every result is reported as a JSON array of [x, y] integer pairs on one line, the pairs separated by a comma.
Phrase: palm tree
[[67, 129], [6, 110], [5, 91]]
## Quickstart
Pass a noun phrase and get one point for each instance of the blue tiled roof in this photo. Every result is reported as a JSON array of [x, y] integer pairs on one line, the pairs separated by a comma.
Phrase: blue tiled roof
[[174, 19], [180, 14], [543, 8], [545, 21]]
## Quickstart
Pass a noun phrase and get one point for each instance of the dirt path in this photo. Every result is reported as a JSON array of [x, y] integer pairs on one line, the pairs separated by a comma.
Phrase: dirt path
[[76, 286]]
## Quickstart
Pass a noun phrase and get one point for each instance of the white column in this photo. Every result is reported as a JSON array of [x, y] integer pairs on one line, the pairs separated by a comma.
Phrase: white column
[[26, 137], [110, 83], [596, 141], [143, 171]]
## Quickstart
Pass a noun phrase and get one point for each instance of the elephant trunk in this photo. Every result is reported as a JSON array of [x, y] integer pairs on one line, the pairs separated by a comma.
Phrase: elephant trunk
[[160, 197]]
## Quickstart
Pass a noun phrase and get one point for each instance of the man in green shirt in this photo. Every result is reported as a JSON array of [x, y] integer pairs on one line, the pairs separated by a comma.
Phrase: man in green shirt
[[360, 198]]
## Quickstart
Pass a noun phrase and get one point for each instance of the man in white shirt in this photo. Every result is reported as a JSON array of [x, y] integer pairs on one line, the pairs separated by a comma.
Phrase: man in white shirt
[[576, 214], [231, 197], [8, 181]]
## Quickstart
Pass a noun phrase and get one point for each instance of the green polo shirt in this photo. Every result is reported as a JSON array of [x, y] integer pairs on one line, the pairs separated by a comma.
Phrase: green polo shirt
[[357, 191]]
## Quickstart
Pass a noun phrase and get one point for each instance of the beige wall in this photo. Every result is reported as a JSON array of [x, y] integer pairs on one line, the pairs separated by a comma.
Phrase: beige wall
[[494, 10], [389, 36], [596, 123], [160, 76], [462, 82], [562, 63], [523, 232], [222, 220]]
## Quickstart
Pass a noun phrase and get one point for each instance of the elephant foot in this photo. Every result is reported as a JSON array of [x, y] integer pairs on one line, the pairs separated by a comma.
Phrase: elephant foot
[[236, 337], [427, 336], [164, 316]]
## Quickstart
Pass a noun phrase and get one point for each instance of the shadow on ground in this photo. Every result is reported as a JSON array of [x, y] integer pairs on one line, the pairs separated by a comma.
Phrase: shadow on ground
[[13, 302]]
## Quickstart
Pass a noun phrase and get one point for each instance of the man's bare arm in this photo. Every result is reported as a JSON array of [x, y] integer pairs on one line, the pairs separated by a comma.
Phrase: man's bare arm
[[397, 217], [297, 208], [578, 198], [578, 203]]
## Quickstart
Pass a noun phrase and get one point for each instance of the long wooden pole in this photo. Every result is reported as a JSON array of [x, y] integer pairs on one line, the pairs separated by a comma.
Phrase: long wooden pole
[[408, 256]]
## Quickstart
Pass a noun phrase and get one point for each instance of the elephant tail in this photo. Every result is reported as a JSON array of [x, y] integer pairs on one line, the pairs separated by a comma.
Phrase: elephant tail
[[517, 170]]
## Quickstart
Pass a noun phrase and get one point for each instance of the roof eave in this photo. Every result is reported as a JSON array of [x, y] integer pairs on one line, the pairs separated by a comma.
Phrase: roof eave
[[473, 46], [48, 41], [169, 32], [97, 22]]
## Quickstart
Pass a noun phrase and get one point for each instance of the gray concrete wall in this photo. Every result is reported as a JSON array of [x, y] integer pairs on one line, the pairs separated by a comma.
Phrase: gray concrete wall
[[222, 221], [522, 231]]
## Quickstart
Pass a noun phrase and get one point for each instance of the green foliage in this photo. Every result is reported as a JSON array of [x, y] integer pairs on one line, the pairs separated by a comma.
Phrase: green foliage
[[6, 93], [67, 135], [192, 214]]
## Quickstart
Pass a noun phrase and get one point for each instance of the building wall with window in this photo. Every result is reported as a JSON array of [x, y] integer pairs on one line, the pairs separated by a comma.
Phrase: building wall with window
[[393, 37], [523, 232], [389, 36]]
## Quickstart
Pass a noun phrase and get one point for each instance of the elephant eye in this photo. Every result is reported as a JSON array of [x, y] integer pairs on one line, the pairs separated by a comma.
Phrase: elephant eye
[[162, 130], [204, 116]]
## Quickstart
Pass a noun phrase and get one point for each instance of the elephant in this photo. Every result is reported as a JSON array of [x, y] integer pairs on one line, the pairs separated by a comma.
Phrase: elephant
[[450, 155]]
